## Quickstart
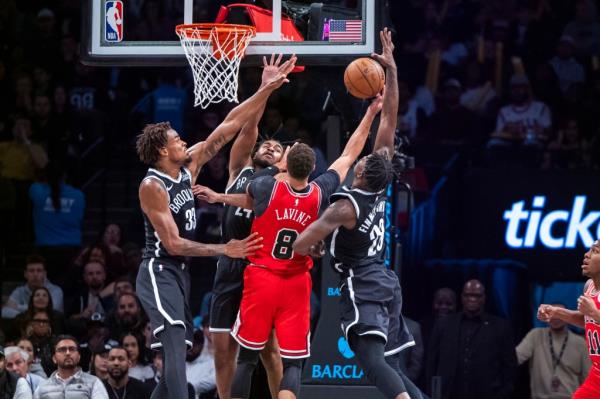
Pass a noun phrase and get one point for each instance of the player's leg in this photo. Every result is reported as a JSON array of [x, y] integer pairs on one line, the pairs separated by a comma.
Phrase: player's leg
[[590, 387], [225, 354], [246, 363], [413, 391], [272, 361], [292, 325], [174, 347], [369, 350], [225, 304]]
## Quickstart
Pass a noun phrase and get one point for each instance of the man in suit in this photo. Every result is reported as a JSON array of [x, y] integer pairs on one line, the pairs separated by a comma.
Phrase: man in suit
[[472, 351]]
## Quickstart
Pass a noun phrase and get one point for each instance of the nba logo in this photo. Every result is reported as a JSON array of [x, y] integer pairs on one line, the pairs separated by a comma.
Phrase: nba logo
[[113, 26]]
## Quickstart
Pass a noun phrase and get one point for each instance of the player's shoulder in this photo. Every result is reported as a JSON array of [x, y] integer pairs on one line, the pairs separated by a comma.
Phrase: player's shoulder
[[587, 285]]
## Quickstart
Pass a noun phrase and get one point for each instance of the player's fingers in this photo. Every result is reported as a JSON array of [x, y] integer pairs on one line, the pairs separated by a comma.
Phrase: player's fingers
[[377, 58], [272, 58], [265, 61], [278, 61]]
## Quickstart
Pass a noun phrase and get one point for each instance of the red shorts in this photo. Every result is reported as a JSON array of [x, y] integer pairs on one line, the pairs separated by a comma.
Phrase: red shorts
[[272, 301], [590, 389]]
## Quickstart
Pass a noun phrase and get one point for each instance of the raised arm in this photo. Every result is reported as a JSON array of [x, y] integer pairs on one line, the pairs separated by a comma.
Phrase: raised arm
[[241, 150], [206, 194], [340, 213], [357, 141], [203, 151], [384, 141], [155, 204]]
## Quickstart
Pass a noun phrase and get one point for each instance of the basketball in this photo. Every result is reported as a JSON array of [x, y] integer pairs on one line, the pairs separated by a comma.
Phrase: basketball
[[364, 78]]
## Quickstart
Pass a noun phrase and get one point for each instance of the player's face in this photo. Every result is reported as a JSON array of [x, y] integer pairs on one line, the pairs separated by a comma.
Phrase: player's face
[[177, 148], [268, 153], [591, 261], [359, 180]]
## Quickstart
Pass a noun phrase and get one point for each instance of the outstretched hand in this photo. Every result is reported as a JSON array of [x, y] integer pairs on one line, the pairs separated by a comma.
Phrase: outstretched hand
[[282, 72], [243, 248], [376, 105], [204, 193], [270, 68], [386, 58]]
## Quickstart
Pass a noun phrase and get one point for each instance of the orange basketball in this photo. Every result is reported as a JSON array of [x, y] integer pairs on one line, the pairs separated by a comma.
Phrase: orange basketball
[[364, 78]]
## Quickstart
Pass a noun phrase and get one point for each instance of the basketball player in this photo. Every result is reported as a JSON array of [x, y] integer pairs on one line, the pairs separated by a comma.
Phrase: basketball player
[[167, 204], [277, 283], [587, 316], [370, 300], [227, 287]]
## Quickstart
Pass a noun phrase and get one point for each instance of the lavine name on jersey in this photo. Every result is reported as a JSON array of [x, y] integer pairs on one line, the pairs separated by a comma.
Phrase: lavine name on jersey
[[180, 199], [366, 225], [292, 214]]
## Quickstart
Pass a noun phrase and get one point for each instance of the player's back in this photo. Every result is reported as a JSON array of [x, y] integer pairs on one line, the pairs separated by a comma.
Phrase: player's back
[[182, 206], [237, 221], [363, 245], [287, 214]]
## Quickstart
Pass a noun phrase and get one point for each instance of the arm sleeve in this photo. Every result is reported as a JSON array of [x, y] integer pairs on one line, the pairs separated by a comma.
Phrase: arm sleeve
[[98, 390], [525, 348], [260, 190], [22, 391], [328, 182]]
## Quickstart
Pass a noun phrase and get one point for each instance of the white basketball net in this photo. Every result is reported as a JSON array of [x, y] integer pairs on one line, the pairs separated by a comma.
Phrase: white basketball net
[[214, 53]]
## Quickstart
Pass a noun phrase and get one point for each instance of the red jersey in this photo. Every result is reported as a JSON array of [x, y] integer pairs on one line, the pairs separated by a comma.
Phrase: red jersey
[[592, 330], [287, 214]]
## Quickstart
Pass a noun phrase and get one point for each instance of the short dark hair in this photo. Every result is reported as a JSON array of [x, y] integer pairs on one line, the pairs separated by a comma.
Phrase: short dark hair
[[378, 172], [35, 258], [300, 161], [63, 337], [151, 140], [119, 347]]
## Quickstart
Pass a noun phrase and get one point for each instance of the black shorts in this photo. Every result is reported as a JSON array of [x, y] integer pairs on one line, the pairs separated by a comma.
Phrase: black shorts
[[227, 293], [163, 287], [371, 304]]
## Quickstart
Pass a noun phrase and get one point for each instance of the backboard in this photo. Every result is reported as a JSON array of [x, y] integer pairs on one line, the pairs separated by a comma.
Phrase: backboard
[[142, 33]]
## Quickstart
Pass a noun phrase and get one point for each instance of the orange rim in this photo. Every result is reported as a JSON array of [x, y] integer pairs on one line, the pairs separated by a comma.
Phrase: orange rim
[[192, 31]]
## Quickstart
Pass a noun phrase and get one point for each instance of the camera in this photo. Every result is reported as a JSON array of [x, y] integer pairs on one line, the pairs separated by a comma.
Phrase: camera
[[402, 161]]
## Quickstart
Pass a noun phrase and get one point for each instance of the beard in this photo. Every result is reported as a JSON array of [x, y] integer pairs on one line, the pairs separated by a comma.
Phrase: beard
[[260, 162], [117, 374]]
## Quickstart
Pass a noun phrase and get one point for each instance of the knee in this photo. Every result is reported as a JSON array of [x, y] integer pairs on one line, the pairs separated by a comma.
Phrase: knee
[[270, 358], [292, 369]]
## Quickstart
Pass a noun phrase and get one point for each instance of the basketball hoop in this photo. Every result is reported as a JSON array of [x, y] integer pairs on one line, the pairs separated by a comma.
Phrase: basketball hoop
[[214, 52]]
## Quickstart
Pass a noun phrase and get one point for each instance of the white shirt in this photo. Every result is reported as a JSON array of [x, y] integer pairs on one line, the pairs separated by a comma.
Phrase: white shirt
[[201, 372], [23, 390], [529, 115]]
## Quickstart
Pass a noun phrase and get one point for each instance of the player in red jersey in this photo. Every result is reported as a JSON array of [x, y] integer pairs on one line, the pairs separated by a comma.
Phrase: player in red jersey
[[587, 315], [277, 282]]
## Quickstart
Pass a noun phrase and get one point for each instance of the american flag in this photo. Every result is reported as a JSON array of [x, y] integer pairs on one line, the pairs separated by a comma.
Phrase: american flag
[[345, 31]]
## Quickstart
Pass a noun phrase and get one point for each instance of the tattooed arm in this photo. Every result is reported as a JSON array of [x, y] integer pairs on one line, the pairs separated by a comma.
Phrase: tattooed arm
[[155, 204], [203, 151]]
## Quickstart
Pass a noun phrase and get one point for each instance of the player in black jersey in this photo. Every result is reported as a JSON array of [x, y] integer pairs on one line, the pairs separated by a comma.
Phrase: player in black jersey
[[227, 286], [371, 299], [167, 203]]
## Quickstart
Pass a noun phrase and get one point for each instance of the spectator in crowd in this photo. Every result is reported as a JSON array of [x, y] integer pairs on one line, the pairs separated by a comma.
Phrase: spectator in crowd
[[472, 351], [100, 252], [444, 304], [58, 210], [412, 358], [524, 123], [112, 237], [89, 304], [11, 384], [22, 159], [451, 123], [569, 150], [128, 316], [99, 361], [165, 103], [35, 276], [565, 66], [479, 95], [40, 301], [119, 384], [17, 362], [200, 365], [585, 27], [97, 340], [139, 369], [39, 332], [410, 116], [69, 380], [23, 95], [558, 360], [33, 362]]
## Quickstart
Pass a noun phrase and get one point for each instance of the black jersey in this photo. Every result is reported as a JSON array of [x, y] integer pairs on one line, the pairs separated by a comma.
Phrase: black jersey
[[364, 245], [237, 221], [181, 203]]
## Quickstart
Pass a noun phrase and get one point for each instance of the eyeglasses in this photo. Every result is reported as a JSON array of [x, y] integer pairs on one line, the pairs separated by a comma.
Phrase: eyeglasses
[[65, 349], [41, 321]]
